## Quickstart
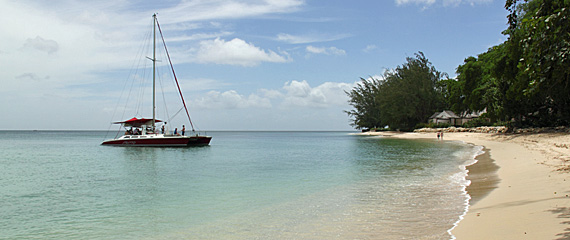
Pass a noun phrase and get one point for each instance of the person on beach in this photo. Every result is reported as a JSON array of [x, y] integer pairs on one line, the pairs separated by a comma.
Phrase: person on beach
[[183, 130], [437, 135], [441, 135]]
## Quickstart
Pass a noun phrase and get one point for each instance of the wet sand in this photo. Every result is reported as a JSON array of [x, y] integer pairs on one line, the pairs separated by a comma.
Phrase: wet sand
[[483, 177]]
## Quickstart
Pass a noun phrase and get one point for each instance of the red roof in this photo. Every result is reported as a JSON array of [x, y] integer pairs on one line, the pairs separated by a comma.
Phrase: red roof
[[137, 122]]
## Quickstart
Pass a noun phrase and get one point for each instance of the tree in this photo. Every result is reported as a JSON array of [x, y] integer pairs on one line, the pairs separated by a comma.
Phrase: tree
[[471, 79], [544, 39], [526, 78], [539, 33], [411, 93], [366, 113], [404, 97]]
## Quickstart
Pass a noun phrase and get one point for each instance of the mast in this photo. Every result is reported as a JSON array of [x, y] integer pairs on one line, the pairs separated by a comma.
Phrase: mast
[[174, 73], [153, 71]]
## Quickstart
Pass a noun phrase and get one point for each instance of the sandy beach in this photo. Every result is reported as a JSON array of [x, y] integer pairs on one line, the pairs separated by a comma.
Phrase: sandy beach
[[520, 187]]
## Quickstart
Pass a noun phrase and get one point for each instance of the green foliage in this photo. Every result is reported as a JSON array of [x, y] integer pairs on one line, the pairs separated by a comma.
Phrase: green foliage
[[404, 97], [366, 113], [544, 38], [526, 78], [383, 129], [478, 122], [501, 123], [432, 125], [523, 82]]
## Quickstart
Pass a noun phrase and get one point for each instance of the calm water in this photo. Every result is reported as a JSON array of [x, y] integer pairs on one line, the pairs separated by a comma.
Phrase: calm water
[[245, 185]]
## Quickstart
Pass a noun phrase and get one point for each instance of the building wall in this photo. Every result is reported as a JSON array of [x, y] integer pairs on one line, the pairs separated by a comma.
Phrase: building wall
[[451, 121]]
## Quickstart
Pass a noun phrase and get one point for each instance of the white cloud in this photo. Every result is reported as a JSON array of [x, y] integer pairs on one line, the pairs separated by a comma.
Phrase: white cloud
[[451, 2], [200, 84], [44, 45], [300, 94], [31, 76], [308, 38], [61, 44], [293, 94], [473, 2], [271, 94], [446, 3], [370, 48], [231, 100], [423, 2], [325, 50], [199, 10], [89, 38], [235, 52], [199, 36], [62, 51]]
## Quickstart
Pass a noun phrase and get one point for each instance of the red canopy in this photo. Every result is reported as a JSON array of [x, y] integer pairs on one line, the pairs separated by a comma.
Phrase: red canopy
[[137, 122]]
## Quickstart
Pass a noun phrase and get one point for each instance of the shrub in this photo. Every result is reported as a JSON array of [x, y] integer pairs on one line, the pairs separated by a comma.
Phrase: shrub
[[478, 122], [432, 125]]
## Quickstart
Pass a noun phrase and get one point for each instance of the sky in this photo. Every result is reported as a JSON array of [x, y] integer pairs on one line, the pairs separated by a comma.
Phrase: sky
[[242, 64]]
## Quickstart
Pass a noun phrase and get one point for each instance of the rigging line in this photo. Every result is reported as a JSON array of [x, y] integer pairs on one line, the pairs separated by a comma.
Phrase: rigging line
[[137, 75], [173, 116], [173, 73], [160, 81], [132, 72], [115, 111], [141, 74]]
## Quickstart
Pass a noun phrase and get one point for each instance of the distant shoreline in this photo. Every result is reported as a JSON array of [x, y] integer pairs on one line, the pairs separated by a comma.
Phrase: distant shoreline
[[529, 198], [114, 130]]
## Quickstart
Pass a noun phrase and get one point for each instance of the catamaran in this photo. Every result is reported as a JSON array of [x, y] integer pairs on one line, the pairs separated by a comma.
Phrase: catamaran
[[142, 132]]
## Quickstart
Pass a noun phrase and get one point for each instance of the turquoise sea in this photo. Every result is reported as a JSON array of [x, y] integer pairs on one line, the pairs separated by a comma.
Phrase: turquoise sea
[[245, 185]]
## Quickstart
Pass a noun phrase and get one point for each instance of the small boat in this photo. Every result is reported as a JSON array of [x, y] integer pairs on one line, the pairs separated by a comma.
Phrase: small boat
[[142, 132]]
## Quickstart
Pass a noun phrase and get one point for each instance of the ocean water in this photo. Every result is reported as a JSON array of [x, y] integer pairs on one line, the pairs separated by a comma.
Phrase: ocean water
[[245, 185]]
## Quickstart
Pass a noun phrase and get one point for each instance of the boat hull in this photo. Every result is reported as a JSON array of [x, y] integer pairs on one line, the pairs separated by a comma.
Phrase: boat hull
[[174, 141]]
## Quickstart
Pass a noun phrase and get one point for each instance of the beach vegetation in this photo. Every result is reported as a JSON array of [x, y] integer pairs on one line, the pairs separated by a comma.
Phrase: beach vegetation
[[479, 122], [522, 82], [432, 125], [366, 113], [401, 98]]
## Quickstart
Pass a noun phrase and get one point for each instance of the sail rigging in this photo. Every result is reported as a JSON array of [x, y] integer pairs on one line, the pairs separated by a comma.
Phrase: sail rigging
[[174, 74], [142, 131]]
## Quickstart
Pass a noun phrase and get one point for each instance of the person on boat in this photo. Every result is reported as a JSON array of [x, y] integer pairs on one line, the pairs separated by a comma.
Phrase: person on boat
[[183, 130], [162, 129], [176, 131]]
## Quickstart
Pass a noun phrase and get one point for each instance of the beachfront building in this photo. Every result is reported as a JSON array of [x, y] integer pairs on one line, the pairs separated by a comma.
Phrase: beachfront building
[[446, 116], [453, 119]]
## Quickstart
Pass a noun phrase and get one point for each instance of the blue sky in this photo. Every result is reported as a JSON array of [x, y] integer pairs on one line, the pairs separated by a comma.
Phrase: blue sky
[[243, 64]]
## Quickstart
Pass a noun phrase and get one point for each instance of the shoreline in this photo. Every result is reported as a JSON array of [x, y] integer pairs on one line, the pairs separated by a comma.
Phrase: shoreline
[[519, 187], [483, 177]]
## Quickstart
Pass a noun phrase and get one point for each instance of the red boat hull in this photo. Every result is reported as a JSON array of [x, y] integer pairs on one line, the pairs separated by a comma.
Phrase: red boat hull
[[174, 141]]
